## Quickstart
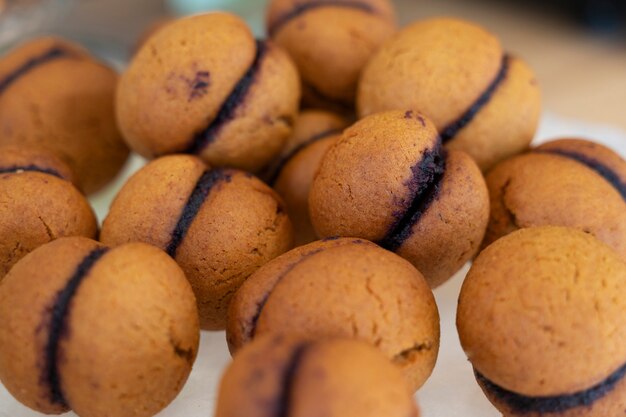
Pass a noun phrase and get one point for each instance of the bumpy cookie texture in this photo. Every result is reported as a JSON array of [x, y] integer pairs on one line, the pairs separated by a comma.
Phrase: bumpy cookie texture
[[388, 179], [342, 288], [330, 41], [291, 376], [292, 173], [483, 101], [599, 158], [545, 188], [54, 95], [38, 203], [542, 319], [85, 331], [186, 91], [220, 225]]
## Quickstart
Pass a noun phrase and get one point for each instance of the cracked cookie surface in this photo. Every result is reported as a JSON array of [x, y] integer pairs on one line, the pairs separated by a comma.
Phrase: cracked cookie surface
[[38, 203], [540, 189], [220, 225], [343, 288]]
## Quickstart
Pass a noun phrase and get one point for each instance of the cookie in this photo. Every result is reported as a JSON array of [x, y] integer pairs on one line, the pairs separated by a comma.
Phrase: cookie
[[342, 288], [330, 42], [389, 180], [39, 203], [104, 332], [483, 100], [542, 319], [220, 225], [53, 94], [546, 188], [599, 158], [185, 91], [150, 30], [292, 173], [291, 376]]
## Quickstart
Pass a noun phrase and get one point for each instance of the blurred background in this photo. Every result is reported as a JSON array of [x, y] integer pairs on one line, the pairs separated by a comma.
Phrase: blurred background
[[577, 47]]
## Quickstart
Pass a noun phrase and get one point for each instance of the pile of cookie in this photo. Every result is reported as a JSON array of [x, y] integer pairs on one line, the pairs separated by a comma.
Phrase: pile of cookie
[[304, 193]]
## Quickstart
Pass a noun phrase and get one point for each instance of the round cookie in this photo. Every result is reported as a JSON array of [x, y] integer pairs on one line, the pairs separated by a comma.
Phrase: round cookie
[[542, 319], [483, 101], [388, 180], [54, 95], [38, 203], [330, 42], [292, 173], [342, 288], [185, 91], [104, 332], [544, 188], [598, 157], [283, 373], [220, 225]]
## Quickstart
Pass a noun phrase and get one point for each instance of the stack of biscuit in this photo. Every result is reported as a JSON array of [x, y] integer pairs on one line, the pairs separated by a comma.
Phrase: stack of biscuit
[[306, 193]]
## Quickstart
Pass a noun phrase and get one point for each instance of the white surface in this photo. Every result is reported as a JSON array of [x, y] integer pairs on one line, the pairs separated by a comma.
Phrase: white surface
[[450, 392]]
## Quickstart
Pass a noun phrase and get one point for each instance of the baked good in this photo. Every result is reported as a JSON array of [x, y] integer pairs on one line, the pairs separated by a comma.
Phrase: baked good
[[220, 225], [150, 29], [388, 180], [599, 158], [289, 375], [483, 100], [292, 173], [544, 188], [187, 91], [542, 319], [330, 42], [53, 94], [38, 203], [342, 288], [104, 332]]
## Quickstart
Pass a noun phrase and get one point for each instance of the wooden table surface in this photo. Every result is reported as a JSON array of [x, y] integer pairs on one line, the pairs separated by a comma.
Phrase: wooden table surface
[[582, 75]]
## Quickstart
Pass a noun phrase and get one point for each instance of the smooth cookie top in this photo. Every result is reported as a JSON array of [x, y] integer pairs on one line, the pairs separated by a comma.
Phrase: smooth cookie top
[[54, 95], [289, 375], [596, 156], [185, 72], [282, 12], [14, 158], [456, 62]]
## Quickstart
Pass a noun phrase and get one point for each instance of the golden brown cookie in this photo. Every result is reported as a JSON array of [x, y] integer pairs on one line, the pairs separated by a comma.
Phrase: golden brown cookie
[[598, 157], [292, 173], [542, 319], [104, 332], [203, 85], [289, 375], [220, 225], [388, 179], [38, 203], [330, 42], [150, 30], [547, 188], [54, 95], [483, 100], [342, 288]]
